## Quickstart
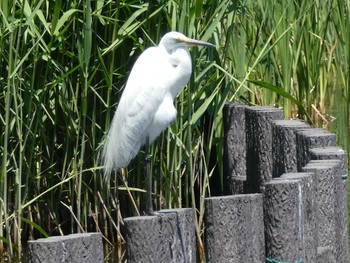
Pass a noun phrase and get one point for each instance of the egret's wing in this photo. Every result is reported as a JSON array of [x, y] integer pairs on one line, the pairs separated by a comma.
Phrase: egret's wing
[[143, 94]]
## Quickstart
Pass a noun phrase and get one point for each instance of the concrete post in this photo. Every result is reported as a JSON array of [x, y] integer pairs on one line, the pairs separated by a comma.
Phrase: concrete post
[[329, 153], [259, 145], [168, 236], [284, 145], [284, 217], [234, 229], [308, 207], [74, 248], [342, 231], [234, 145], [326, 202], [312, 138], [185, 239]]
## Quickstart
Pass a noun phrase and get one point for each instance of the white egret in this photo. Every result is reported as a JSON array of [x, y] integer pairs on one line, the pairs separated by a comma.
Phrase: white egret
[[146, 105]]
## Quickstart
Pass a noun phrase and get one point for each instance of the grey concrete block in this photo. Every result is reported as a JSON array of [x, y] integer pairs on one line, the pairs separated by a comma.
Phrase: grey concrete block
[[342, 221], [308, 206], [326, 172], [234, 143], [331, 152], [324, 255], [342, 231], [259, 145], [312, 138], [185, 248], [283, 220], [72, 248], [284, 145], [234, 229], [168, 236]]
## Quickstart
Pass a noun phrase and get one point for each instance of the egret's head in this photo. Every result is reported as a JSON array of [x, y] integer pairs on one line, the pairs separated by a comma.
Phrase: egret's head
[[174, 39]]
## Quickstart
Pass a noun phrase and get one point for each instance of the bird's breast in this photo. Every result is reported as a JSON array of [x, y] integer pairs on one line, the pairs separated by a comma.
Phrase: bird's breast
[[178, 70]]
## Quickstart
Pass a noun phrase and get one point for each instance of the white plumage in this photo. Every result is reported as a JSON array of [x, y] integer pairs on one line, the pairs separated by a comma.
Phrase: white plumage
[[146, 105]]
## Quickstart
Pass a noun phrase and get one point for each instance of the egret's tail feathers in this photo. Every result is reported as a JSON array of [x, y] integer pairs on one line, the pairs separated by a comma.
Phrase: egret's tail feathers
[[118, 152], [122, 143]]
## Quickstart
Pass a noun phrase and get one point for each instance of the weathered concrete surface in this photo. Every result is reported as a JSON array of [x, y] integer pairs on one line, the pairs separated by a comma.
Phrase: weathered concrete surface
[[308, 247], [74, 248], [185, 239], [331, 153], [283, 216], [238, 185], [259, 145], [324, 255], [312, 138], [168, 236], [342, 231], [284, 145], [342, 223], [234, 145], [326, 172], [234, 229]]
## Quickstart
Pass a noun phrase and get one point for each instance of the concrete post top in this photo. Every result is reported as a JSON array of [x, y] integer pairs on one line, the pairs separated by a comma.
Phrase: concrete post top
[[234, 197], [264, 108], [282, 181], [64, 238], [317, 132], [176, 210], [295, 175], [291, 123], [322, 164], [158, 214], [141, 218], [328, 150]]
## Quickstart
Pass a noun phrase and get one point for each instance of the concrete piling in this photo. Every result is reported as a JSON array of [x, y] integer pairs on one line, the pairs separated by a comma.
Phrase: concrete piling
[[168, 236], [308, 232], [312, 138], [74, 248], [283, 216], [234, 229], [235, 149], [288, 202], [326, 172], [284, 145], [341, 216], [259, 145]]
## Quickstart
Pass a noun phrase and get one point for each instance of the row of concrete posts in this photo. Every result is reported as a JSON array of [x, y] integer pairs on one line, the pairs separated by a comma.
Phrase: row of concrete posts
[[286, 202], [299, 176]]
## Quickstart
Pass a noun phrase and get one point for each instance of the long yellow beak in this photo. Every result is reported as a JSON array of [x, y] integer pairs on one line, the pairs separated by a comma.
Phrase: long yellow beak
[[194, 42]]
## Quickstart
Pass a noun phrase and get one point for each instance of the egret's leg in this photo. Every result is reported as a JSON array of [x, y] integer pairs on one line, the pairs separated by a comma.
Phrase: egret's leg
[[150, 210]]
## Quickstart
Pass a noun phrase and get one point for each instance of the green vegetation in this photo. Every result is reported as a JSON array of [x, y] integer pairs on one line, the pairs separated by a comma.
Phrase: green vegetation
[[63, 66]]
